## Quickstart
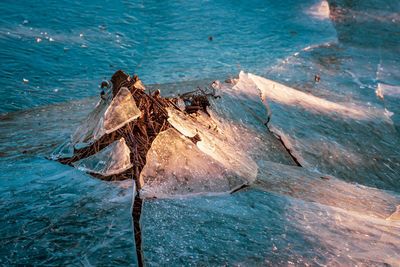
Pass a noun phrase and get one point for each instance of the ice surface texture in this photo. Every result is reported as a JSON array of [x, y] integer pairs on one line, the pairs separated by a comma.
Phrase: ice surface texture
[[359, 149], [258, 228], [52, 214]]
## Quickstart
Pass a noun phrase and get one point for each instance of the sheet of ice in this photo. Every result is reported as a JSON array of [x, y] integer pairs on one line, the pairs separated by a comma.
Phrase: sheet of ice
[[285, 95], [39, 131], [177, 167], [217, 141], [258, 228], [52, 214], [108, 116], [113, 159], [325, 189], [356, 149]]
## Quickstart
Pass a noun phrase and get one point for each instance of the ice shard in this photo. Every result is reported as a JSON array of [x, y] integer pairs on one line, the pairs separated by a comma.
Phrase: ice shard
[[113, 159], [177, 167], [219, 141], [65, 150], [121, 111], [108, 116]]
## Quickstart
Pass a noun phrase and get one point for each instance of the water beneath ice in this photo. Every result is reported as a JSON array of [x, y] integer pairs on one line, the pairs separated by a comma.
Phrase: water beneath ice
[[326, 73]]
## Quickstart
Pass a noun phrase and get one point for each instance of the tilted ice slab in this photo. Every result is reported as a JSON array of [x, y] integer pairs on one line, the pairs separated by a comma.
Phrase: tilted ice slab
[[233, 139], [353, 142], [215, 141], [108, 116], [113, 159], [177, 167], [285, 95]]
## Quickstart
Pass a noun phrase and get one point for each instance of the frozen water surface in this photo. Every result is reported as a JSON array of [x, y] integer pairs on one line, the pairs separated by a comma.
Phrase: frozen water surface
[[161, 42], [52, 214], [257, 228], [55, 215], [321, 76]]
